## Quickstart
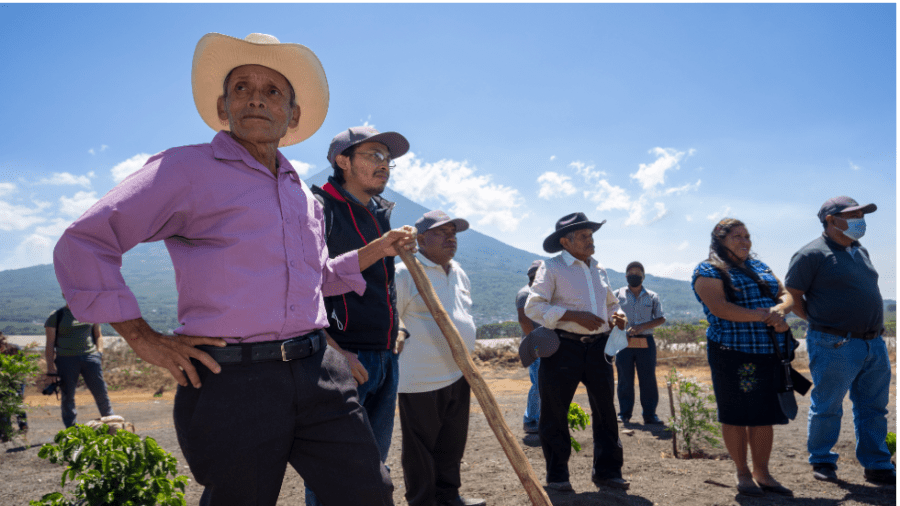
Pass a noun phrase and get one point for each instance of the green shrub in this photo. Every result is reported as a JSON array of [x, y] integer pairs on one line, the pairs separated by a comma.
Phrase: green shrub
[[14, 371], [696, 414], [120, 469], [891, 441], [681, 332], [578, 420]]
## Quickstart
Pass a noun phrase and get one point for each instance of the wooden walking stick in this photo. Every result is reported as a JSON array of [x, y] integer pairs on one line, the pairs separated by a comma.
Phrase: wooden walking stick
[[485, 398]]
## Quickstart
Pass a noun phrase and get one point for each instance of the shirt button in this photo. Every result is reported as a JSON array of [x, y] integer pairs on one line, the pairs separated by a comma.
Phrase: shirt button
[[292, 263], [287, 221], [292, 307]]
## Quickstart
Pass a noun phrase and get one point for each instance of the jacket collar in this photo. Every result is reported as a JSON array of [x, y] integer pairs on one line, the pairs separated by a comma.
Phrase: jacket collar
[[336, 191], [834, 244]]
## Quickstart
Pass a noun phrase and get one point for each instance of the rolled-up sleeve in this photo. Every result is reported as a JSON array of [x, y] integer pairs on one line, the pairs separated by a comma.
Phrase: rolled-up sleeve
[[538, 306], [341, 275], [149, 205]]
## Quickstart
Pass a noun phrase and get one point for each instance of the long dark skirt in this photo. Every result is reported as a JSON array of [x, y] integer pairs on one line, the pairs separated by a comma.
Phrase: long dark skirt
[[745, 386]]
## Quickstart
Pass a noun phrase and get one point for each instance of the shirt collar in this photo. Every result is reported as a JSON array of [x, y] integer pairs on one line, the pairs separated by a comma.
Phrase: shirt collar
[[226, 148], [569, 259], [371, 206], [431, 265]]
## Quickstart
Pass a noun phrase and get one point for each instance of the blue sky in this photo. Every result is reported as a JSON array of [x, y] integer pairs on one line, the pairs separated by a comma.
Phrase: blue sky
[[659, 118]]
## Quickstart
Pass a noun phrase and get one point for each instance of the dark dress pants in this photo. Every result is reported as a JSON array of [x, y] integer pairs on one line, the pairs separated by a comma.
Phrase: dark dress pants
[[644, 360], [243, 426], [558, 379], [434, 427]]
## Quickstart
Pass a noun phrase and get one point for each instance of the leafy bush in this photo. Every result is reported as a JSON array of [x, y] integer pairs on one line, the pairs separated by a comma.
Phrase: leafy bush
[[113, 469], [578, 420], [681, 332], [696, 413], [14, 371], [891, 441]]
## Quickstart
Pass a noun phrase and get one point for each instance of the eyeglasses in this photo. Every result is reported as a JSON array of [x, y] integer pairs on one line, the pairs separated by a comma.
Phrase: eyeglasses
[[379, 158]]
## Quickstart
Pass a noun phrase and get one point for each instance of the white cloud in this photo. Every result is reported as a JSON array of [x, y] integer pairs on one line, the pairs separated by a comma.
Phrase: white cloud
[[302, 168], [6, 188], [688, 217], [16, 217], [102, 149], [65, 178], [552, 157], [607, 196], [653, 174], [126, 168], [54, 228], [588, 172], [455, 183], [718, 215], [683, 246], [673, 270], [554, 184], [78, 204], [854, 166], [681, 189], [639, 214]]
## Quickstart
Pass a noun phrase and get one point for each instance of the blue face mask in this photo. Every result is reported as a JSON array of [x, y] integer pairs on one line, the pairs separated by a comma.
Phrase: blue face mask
[[856, 228]]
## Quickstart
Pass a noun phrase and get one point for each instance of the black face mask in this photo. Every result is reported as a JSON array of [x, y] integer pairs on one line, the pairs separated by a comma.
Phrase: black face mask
[[634, 280]]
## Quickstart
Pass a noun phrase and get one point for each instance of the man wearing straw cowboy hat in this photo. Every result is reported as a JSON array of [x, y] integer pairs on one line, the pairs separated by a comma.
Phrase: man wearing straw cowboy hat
[[246, 239], [571, 294]]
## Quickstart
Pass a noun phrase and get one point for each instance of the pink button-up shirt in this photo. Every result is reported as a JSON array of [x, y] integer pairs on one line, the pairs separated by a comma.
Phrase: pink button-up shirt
[[248, 248]]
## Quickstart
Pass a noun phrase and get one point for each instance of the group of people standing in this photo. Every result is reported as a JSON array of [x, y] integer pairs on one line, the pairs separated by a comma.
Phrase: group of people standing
[[264, 264], [568, 309]]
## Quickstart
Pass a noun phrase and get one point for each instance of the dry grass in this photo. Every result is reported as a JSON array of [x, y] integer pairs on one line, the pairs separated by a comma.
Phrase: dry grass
[[123, 369]]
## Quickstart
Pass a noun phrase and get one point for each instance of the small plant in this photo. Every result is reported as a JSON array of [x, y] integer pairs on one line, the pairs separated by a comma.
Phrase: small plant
[[15, 370], [696, 416], [578, 420], [113, 469], [891, 441]]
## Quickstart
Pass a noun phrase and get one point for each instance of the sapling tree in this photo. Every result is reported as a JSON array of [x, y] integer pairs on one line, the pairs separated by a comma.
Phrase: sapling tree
[[112, 469], [15, 370], [578, 420], [695, 419]]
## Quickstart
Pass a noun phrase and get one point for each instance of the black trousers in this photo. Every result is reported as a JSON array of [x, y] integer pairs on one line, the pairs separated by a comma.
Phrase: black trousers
[[239, 431], [434, 427], [576, 362]]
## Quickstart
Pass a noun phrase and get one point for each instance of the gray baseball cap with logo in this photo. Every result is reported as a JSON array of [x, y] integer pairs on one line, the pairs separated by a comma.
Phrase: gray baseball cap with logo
[[436, 218], [396, 143], [843, 204]]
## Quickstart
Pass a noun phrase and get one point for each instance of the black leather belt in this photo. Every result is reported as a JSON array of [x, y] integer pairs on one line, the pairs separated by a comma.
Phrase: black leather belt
[[642, 335], [843, 333], [582, 338], [290, 349]]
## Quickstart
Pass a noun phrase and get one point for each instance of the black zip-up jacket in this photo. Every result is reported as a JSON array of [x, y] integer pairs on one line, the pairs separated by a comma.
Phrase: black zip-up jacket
[[367, 322]]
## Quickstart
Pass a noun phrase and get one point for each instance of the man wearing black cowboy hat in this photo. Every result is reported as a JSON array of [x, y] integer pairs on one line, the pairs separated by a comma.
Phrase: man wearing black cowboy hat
[[571, 294]]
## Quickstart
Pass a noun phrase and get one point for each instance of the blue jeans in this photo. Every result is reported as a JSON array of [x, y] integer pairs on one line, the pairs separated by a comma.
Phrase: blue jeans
[[644, 360], [533, 405], [88, 366], [378, 396], [862, 367]]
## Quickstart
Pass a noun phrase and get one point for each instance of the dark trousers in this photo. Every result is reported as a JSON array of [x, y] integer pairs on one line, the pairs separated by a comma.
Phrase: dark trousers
[[239, 431], [644, 360], [88, 367], [434, 427], [558, 379]]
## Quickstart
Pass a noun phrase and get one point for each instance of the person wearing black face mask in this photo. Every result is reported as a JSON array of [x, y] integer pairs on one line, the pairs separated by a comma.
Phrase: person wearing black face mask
[[644, 312]]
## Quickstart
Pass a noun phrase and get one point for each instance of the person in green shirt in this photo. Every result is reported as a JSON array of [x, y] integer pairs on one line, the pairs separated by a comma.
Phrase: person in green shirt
[[74, 348]]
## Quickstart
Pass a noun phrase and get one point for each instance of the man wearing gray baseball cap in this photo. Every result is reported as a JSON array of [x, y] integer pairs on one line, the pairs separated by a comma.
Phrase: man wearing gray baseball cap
[[364, 327], [434, 395], [835, 288]]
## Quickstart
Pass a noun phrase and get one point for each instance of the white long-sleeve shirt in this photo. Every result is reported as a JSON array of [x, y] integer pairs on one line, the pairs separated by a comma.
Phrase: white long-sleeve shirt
[[426, 363], [565, 283]]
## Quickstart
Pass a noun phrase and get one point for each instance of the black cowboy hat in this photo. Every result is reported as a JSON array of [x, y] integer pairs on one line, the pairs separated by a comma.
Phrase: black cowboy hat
[[566, 224]]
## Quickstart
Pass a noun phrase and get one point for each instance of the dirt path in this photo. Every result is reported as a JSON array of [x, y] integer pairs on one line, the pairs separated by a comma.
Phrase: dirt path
[[656, 478]]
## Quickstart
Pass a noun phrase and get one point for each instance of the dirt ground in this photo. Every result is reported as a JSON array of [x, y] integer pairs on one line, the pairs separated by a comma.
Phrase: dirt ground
[[656, 477]]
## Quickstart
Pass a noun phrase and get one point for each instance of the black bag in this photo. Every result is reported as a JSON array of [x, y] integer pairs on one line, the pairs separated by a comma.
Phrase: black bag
[[788, 379]]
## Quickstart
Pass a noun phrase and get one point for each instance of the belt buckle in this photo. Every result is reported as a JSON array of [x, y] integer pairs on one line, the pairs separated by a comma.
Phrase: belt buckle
[[284, 352]]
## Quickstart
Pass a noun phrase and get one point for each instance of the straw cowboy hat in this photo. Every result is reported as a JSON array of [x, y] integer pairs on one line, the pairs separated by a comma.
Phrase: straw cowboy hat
[[216, 55]]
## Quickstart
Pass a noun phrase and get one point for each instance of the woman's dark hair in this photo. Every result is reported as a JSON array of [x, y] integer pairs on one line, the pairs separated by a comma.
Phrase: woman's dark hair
[[339, 172], [722, 259]]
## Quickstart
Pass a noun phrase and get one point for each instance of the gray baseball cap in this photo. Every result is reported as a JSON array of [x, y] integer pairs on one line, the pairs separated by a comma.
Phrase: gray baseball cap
[[396, 143], [436, 218], [541, 342], [534, 267], [842, 204]]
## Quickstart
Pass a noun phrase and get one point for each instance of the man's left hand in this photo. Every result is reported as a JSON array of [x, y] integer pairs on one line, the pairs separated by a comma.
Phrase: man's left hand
[[401, 340], [619, 320], [403, 238]]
